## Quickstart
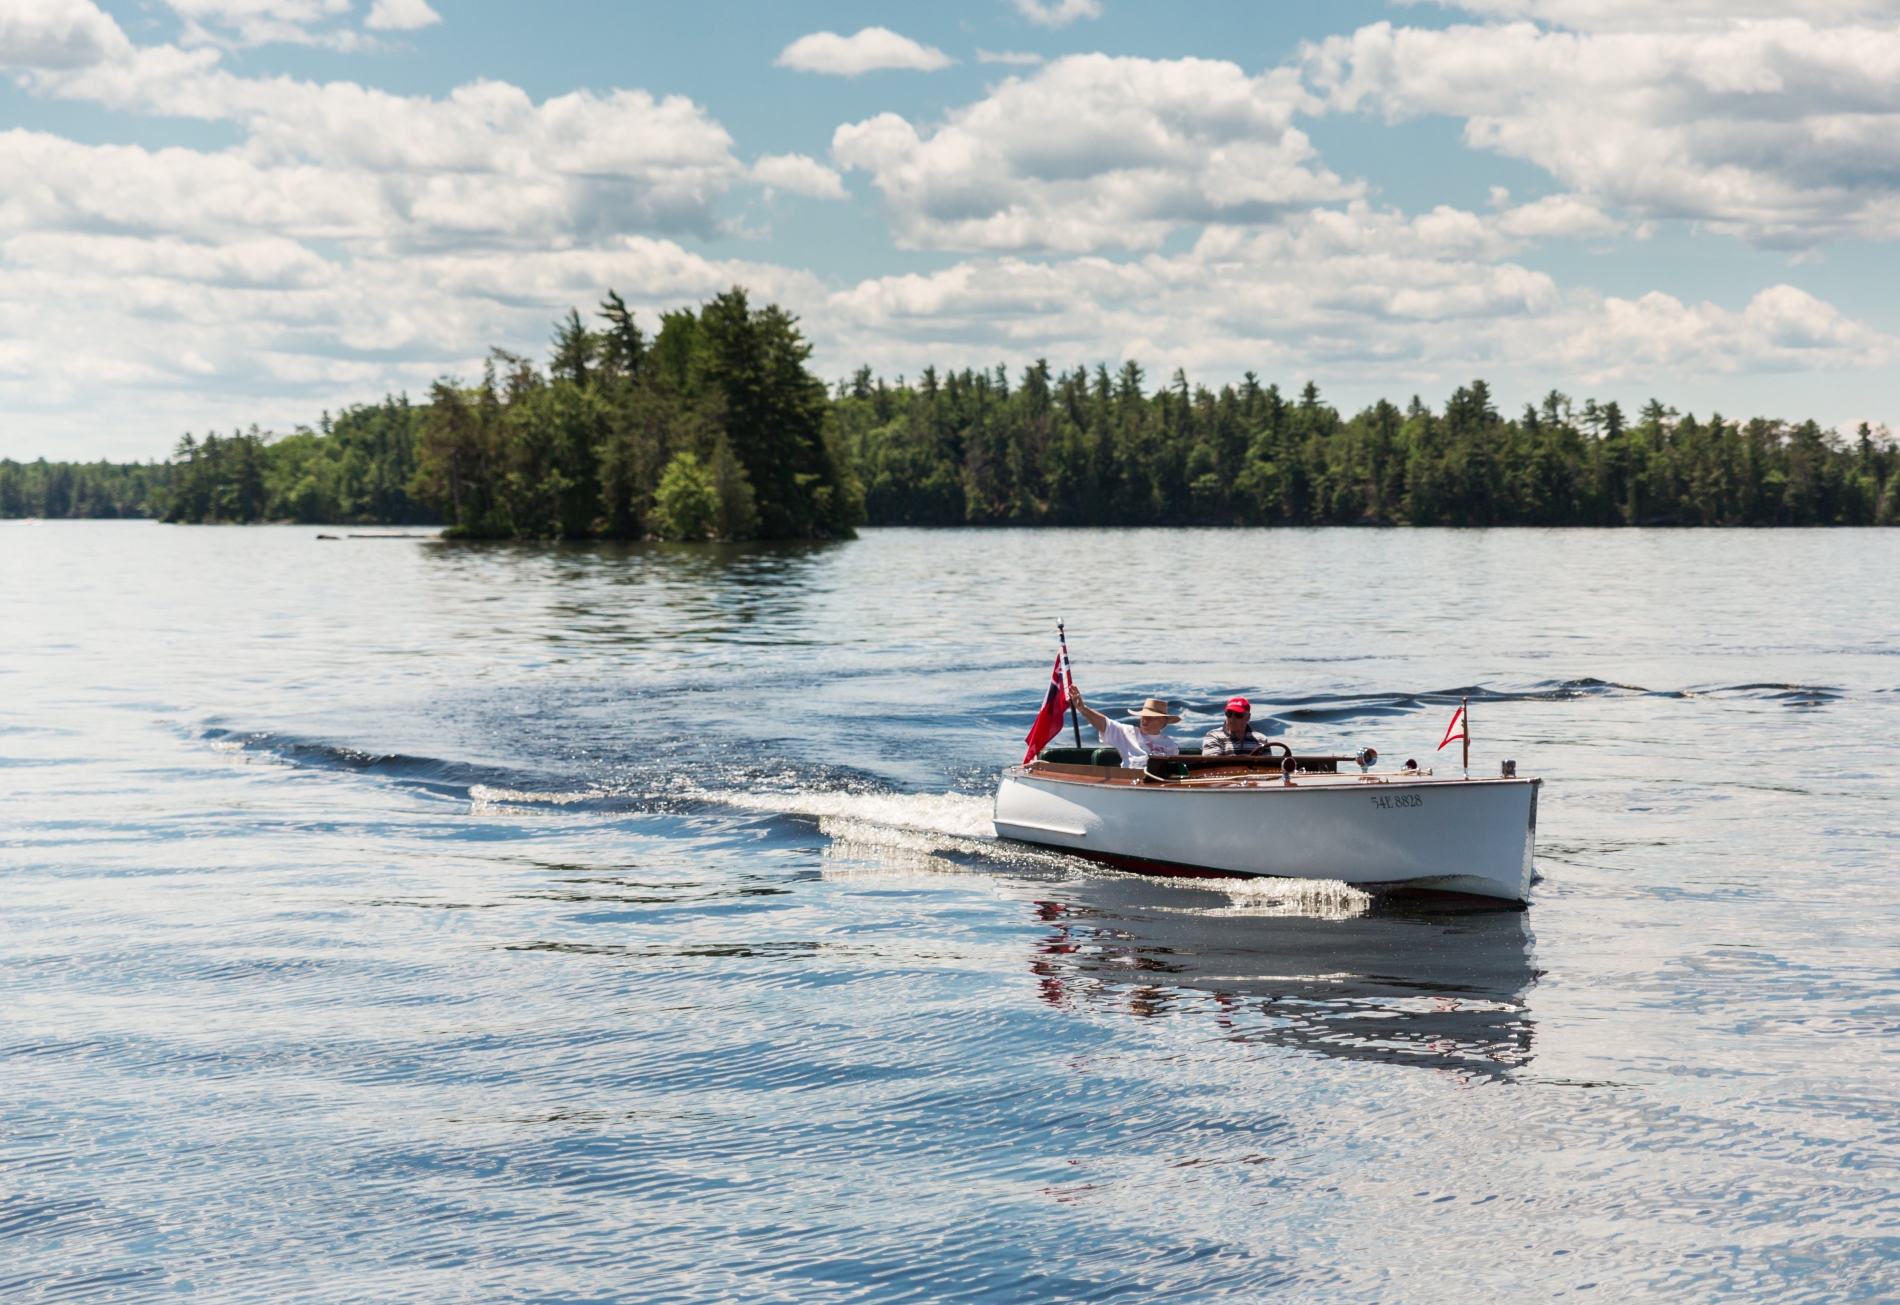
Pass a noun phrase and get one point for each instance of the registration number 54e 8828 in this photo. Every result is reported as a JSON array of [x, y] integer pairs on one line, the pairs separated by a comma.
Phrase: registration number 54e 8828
[[1389, 801]]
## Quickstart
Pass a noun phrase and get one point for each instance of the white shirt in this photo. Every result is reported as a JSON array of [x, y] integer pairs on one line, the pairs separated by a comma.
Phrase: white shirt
[[1135, 746]]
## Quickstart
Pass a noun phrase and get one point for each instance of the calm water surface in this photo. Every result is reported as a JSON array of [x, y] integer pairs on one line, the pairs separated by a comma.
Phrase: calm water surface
[[397, 920]]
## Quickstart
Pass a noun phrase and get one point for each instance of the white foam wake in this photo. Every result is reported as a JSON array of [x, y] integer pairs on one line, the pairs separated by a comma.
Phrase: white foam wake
[[961, 815], [1321, 899], [860, 848], [486, 801]]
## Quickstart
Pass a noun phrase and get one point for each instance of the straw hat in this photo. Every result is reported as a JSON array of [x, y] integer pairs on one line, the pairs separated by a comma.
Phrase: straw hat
[[1157, 707]]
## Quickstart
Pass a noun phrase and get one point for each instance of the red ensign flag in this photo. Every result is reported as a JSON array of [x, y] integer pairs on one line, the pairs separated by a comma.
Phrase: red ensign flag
[[1455, 730], [1049, 719]]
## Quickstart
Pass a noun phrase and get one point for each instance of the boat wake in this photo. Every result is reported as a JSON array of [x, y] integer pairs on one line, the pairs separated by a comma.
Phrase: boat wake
[[486, 800], [872, 834], [961, 815], [1318, 899], [864, 849]]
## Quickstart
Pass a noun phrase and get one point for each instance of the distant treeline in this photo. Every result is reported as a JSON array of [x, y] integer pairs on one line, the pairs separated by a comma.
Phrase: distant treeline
[[1091, 448], [717, 427], [356, 468], [82, 489], [359, 467]]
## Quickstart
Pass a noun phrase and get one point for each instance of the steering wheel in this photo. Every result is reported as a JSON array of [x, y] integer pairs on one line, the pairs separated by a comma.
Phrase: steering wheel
[[1266, 750]]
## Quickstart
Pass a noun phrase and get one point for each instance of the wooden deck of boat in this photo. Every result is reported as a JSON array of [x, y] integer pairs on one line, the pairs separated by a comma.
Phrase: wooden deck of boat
[[1235, 776]]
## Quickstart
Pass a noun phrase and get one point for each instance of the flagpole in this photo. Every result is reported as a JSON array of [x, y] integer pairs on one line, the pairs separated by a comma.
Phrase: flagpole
[[1465, 707], [1068, 675]]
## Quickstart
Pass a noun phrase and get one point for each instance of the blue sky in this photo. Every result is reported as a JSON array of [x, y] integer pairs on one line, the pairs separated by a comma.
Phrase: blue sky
[[220, 212]]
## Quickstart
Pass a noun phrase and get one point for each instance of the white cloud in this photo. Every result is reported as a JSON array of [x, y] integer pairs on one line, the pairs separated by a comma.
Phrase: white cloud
[[1782, 329], [1360, 297], [799, 174], [260, 22], [58, 35], [400, 16], [1095, 152], [867, 51], [1008, 56], [1781, 132], [1573, 217], [343, 162], [1057, 13], [1648, 16], [154, 336]]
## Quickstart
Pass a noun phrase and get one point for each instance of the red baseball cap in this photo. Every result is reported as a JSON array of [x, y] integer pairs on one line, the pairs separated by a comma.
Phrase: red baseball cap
[[1239, 705]]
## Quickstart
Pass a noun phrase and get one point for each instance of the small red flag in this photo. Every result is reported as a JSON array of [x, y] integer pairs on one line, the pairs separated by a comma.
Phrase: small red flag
[[1049, 719], [1455, 730]]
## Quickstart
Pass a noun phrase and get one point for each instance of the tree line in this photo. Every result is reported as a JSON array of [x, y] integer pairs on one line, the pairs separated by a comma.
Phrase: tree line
[[358, 468], [82, 489], [354, 469], [1094, 448], [716, 427]]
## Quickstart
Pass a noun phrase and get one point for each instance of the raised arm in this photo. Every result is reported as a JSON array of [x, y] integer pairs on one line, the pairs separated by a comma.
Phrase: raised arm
[[1095, 718]]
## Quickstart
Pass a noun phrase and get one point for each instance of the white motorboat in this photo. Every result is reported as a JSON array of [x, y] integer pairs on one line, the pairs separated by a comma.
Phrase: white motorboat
[[1293, 817]]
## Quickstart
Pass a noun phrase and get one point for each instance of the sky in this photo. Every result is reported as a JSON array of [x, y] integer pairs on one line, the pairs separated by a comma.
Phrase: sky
[[216, 213]]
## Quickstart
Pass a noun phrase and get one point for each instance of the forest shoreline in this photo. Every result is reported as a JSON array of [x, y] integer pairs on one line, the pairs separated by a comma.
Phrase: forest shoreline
[[716, 427]]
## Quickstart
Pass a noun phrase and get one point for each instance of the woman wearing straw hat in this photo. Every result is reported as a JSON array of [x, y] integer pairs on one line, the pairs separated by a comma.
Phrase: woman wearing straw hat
[[1135, 745]]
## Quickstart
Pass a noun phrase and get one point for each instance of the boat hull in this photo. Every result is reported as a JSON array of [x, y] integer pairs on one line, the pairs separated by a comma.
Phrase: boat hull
[[1467, 837]]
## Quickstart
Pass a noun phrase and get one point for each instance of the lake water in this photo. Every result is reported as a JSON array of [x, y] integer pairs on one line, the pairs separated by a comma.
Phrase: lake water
[[386, 919]]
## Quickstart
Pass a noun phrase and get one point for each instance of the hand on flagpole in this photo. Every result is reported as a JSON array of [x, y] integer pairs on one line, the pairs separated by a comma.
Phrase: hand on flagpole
[[1093, 717]]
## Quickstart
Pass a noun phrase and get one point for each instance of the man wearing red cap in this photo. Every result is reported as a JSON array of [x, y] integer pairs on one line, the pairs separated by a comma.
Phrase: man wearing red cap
[[1236, 738]]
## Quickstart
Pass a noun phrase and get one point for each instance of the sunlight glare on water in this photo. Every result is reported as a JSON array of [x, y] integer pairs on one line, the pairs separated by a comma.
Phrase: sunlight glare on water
[[401, 920]]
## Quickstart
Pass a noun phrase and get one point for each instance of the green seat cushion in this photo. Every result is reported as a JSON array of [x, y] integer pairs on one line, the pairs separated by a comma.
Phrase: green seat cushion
[[1071, 756]]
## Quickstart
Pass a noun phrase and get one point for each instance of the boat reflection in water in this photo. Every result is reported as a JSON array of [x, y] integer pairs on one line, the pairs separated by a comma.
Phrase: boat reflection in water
[[1397, 981], [1313, 965]]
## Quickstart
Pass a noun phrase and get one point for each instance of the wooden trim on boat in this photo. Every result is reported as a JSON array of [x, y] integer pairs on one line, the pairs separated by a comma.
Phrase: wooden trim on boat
[[1251, 780], [1073, 770]]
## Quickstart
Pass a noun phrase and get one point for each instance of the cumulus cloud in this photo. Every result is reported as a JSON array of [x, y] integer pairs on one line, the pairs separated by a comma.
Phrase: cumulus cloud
[[1057, 13], [58, 35], [867, 51], [1779, 131], [1095, 152], [799, 174], [236, 23], [1643, 15], [339, 161], [1359, 296], [154, 336], [400, 16], [1573, 217], [260, 22]]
